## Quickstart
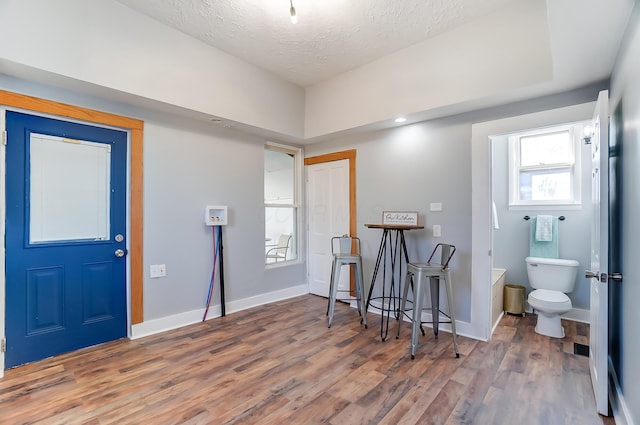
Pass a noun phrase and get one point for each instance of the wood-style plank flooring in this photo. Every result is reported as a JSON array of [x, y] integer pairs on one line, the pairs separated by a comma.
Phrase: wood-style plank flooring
[[280, 364]]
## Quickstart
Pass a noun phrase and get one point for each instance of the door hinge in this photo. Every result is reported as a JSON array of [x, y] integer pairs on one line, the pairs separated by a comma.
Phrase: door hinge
[[3, 345], [4, 137]]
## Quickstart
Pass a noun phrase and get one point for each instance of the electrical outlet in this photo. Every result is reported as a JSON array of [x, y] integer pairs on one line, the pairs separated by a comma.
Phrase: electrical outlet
[[157, 270], [437, 231]]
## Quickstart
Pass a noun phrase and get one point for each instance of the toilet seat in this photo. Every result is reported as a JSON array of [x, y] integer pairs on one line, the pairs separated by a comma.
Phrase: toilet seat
[[550, 301], [549, 296]]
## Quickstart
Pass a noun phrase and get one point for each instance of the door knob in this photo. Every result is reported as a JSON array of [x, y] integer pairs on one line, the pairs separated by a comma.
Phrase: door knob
[[120, 253]]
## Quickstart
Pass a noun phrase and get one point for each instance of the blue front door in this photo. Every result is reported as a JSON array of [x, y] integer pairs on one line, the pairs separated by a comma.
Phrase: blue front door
[[65, 237]]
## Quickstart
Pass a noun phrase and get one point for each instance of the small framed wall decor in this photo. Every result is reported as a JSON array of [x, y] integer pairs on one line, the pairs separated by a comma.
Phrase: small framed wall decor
[[402, 218]]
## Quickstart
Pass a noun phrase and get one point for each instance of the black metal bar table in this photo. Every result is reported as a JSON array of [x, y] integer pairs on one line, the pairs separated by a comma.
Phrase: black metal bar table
[[392, 240]]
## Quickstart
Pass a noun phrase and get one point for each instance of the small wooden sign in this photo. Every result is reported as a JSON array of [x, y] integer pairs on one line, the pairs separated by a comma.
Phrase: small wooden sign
[[403, 218]]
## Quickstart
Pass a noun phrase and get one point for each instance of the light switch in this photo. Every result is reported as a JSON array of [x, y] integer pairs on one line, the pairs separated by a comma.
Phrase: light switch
[[435, 206], [437, 231]]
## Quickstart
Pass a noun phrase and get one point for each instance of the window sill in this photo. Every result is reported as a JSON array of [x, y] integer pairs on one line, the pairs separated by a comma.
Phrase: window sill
[[279, 264], [545, 207]]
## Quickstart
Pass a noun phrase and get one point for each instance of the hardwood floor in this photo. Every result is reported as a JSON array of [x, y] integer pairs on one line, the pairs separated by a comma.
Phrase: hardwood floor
[[280, 364]]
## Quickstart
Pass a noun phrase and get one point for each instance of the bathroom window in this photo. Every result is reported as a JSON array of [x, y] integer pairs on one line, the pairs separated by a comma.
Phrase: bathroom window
[[544, 167], [282, 170]]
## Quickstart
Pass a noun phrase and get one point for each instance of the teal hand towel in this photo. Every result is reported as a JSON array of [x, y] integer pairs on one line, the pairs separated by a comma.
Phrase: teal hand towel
[[544, 249], [544, 228]]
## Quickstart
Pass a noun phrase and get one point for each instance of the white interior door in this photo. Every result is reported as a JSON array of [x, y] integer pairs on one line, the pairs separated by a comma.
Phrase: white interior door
[[328, 209], [598, 339]]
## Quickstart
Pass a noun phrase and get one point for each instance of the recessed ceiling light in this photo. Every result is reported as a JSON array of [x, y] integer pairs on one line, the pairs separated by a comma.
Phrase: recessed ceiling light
[[400, 119]]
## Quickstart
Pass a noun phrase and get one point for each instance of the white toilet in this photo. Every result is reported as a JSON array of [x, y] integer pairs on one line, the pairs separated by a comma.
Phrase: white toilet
[[551, 279]]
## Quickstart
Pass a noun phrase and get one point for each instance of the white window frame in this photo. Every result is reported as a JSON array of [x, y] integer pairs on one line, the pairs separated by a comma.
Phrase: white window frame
[[296, 205], [574, 165]]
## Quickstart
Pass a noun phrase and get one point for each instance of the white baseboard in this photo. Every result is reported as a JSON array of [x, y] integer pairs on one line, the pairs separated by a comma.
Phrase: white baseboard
[[154, 326], [575, 314], [462, 328], [267, 298], [621, 413]]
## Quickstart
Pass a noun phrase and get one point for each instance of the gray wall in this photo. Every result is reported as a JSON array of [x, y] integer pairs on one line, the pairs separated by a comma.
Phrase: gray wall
[[511, 240], [409, 167], [187, 165], [624, 311], [406, 169]]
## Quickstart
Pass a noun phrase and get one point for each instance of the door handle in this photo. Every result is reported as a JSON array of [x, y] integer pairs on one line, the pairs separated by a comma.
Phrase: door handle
[[590, 274], [616, 277], [603, 277], [120, 253]]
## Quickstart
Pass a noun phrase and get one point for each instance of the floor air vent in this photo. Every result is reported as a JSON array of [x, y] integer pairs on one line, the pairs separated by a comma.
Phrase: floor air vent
[[580, 349]]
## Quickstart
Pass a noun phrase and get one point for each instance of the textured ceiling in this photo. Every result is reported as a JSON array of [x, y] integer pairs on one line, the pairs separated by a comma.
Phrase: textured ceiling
[[331, 36]]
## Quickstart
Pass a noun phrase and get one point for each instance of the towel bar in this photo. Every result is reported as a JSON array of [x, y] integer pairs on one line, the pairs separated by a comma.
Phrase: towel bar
[[561, 218]]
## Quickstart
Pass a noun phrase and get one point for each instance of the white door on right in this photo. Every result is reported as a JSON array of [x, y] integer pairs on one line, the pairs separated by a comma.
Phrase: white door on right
[[599, 272], [328, 212]]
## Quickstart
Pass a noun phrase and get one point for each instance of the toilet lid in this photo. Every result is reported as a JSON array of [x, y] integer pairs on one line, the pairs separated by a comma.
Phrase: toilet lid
[[549, 296]]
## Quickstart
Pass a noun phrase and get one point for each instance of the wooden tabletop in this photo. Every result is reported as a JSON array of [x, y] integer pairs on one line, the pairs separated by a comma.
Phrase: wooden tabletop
[[393, 226]]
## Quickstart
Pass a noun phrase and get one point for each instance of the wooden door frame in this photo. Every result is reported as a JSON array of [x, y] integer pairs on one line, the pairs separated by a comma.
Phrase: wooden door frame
[[337, 156], [135, 128]]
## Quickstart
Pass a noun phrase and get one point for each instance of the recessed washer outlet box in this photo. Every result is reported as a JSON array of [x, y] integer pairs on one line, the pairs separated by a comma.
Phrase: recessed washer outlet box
[[215, 215]]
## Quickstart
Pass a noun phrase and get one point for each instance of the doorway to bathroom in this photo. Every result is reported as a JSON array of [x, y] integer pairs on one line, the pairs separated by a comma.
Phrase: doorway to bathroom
[[541, 166], [487, 172]]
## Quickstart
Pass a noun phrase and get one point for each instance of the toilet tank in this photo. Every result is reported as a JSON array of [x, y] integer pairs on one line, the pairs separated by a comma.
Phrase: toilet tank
[[552, 273]]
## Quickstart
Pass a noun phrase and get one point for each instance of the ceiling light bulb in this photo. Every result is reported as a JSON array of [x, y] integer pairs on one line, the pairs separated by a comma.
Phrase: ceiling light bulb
[[292, 12], [400, 119], [294, 17]]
